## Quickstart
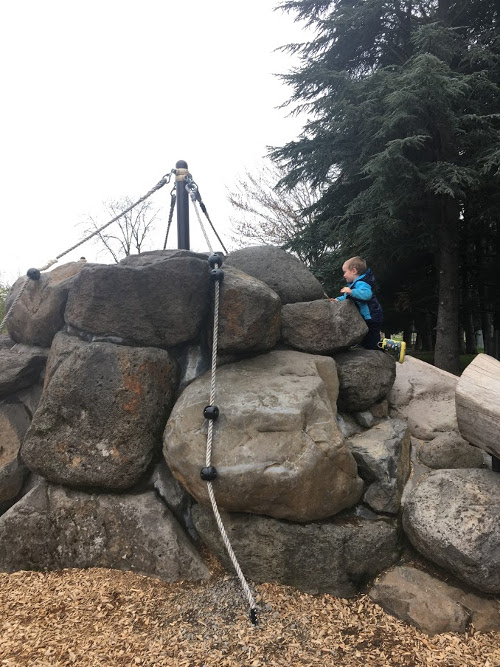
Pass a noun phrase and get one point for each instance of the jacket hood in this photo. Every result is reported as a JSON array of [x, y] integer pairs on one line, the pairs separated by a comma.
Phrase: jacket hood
[[367, 277]]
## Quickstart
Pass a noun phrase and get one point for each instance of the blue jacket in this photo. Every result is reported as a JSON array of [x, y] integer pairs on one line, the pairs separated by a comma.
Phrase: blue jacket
[[364, 298]]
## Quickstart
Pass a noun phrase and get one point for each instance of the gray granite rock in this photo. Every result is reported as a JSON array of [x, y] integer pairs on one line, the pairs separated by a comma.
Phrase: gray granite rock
[[365, 376], [160, 302], [432, 605], [322, 326], [383, 457], [39, 313], [451, 517], [282, 272], [102, 413], [249, 314], [449, 450], [52, 528], [276, 434], [338, 556], [20, 367]]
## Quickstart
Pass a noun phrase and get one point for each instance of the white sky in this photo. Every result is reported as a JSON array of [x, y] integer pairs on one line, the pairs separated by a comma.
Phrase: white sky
[[101, 98]]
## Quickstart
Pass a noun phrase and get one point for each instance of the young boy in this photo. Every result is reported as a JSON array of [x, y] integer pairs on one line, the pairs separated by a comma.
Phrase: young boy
[[360, 288]]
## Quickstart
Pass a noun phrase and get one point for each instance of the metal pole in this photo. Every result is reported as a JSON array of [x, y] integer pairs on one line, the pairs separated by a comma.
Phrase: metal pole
[[181, 170]]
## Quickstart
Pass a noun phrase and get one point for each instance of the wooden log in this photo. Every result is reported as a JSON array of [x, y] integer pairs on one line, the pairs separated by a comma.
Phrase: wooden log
[[477, 400]]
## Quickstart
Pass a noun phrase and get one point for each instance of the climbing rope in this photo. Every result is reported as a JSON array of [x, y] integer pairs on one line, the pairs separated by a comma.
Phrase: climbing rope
[[211, 412]]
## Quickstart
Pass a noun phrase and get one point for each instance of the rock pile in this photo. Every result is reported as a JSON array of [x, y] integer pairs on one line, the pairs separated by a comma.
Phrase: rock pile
[[321, 448]]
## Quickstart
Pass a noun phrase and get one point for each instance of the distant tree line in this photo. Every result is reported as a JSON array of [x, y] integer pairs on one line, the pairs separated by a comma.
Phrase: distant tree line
[[402, 146]]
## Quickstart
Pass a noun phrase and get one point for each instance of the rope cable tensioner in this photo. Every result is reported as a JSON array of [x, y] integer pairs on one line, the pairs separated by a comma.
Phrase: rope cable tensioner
[[211, 412]]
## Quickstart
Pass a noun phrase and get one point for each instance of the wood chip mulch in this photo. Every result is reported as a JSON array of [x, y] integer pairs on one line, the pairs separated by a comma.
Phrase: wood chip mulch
[[106, 617]]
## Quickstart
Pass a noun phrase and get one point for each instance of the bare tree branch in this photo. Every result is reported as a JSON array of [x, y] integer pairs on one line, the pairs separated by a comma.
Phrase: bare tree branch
[[267, 214], [130, 233]]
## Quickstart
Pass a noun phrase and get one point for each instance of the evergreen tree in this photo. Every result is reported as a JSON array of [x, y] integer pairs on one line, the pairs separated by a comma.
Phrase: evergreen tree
[[402, 132]]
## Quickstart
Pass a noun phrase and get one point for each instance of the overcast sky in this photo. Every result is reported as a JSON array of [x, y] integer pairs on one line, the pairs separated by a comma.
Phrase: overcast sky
[[101, 98]]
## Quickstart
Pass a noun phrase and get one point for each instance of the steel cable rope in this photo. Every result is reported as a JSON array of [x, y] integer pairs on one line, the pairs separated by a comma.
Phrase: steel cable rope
[[211, 412], [173, 197], [34, 274], [194, 192]]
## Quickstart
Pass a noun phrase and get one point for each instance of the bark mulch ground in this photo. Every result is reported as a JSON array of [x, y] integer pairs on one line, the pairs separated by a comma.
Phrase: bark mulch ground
[[106, 617]]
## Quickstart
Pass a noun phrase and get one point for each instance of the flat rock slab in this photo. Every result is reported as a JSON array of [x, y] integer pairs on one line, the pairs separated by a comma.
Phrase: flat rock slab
[[336, 556], [432, 605], [20, 367], [365, 376], [102, 413], [52, 528], [282, 272], [451, 517], [276, 444], [39, 313], [159, 300], [322, 326], [425, 396]]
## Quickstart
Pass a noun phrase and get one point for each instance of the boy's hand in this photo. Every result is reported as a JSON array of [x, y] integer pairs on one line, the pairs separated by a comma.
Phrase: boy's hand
[[346, 290]]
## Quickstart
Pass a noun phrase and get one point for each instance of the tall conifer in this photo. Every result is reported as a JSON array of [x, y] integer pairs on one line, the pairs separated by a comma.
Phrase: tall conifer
[[403, 131]]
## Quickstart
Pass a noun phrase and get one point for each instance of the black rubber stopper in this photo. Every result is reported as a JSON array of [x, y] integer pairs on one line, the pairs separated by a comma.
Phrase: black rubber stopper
[[211, 412], [208, 473], [214, 260], [33, 274], [216, 275]]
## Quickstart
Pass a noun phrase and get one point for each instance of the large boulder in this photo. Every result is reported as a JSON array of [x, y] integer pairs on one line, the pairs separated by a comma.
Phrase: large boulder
[[383, 457], [365, 376], [52, 528], [102, 413], [39, 313], [159, 300], [249, 314], [285, 274], [276, 433], [322, 326], [20, 367], [425, 396], [432, 605], [337, 556], [451, 517]]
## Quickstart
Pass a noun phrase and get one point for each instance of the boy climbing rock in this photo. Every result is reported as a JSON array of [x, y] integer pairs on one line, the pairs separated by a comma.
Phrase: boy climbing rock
[[360, 288]]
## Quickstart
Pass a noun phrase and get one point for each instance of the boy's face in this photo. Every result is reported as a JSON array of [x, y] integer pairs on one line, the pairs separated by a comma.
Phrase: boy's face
[[350, 273]]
